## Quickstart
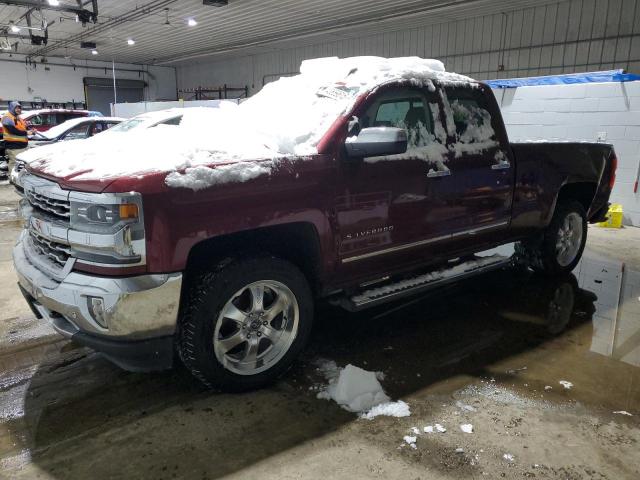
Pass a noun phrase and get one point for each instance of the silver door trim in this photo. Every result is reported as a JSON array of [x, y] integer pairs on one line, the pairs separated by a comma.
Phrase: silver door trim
[[406, 246]]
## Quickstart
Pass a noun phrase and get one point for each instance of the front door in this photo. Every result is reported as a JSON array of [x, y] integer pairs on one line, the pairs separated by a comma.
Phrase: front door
[[390, 210]]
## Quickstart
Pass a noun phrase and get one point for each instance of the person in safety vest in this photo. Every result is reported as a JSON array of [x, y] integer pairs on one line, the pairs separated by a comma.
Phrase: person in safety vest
[[15, 133]]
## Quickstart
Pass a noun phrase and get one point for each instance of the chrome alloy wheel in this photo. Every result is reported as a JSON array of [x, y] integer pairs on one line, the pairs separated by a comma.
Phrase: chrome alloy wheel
[[569, 239], [256, 327]]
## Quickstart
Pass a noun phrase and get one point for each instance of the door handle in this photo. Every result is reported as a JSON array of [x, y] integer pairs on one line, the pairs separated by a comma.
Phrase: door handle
[[501, 166], [439, 173]]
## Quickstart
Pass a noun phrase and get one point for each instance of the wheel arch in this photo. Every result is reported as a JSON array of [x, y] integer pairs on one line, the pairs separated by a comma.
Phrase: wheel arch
[[298, 243], [582, 192]]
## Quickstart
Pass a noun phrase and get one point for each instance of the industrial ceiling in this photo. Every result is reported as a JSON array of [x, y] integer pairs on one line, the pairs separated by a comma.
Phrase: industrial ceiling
[[173, 31]]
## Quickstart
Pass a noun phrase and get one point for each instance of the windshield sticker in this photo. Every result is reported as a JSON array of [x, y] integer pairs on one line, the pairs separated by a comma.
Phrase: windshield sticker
[[336, 93]]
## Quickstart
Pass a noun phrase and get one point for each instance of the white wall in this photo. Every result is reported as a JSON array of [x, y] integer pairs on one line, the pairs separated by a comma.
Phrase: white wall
[[566, 37], [63, 83], [592, 112]]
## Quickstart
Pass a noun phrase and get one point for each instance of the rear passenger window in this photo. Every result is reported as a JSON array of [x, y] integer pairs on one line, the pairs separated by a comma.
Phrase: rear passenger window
[[471, 118]]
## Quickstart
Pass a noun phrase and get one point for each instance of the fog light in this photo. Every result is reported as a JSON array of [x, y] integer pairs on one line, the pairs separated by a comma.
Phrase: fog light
[[96, 309]]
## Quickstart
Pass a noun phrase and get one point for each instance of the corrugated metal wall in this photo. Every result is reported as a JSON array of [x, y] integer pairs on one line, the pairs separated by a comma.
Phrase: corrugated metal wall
[[568, 36]]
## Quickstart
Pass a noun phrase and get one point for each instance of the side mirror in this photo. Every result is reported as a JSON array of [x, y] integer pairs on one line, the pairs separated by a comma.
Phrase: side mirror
[[377, 141]]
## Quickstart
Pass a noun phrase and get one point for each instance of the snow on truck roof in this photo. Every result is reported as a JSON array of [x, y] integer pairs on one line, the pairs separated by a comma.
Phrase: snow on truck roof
[[288, 117]]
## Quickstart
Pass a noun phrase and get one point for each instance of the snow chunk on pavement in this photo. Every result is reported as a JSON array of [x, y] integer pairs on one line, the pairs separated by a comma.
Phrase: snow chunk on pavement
[[389, 409], [466, 428], [566, 384], [508, 457], [428, 429], [358, 390], [440, 428], [623, 412], [411, 441]]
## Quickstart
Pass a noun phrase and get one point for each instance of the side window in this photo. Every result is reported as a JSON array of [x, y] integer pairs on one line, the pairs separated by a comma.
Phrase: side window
[[77, 132], [403, 112], [95, 128], [171, 121], [43, 119], [471, 117]]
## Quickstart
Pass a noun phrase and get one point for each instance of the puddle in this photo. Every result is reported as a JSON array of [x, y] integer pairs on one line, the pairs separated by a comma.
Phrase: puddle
[[525, 331]]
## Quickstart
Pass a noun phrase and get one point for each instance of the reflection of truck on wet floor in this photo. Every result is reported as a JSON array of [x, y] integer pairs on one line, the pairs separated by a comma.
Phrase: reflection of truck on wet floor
[[405, 172]]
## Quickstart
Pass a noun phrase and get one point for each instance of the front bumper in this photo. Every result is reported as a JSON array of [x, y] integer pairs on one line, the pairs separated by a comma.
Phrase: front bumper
[[135, 326]]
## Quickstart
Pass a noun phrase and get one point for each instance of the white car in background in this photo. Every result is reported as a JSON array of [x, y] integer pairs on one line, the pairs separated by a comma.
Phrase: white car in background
[[75, 129], [139, 122]]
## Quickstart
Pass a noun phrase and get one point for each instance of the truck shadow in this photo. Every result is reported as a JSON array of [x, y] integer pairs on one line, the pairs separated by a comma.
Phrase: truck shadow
[[85, 418]]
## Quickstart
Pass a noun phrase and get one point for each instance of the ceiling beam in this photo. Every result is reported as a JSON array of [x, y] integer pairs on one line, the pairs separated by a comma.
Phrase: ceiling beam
[[140, 12]]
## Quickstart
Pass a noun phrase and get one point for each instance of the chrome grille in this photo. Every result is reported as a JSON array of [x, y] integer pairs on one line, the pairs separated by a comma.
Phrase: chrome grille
[[59, 208], [57, 252]]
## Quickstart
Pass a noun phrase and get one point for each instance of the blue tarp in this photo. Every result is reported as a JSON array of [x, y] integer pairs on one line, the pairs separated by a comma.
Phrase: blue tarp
[[570, 79]]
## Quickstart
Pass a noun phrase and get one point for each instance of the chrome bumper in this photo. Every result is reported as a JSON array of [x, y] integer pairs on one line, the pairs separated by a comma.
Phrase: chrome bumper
[[134, 308]]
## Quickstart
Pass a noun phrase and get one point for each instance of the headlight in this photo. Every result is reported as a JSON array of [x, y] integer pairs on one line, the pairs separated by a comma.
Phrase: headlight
[[107, 228], [101, 218]]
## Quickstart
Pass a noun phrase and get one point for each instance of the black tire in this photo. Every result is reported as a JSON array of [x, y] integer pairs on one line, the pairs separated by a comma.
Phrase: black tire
[[209, 293], [541, 253]]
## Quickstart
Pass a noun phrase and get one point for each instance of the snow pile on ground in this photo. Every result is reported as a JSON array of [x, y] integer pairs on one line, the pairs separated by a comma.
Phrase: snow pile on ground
[[287, 118], [411, 441], [466, 428], [432, 429], [623, 412], [358, 390], [567, 385]]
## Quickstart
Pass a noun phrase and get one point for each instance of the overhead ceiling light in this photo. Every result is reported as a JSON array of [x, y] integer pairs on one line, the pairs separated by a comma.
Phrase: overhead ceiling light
[[14, 28], [94, 52], [54, 3], [131, 41], [192, 22]]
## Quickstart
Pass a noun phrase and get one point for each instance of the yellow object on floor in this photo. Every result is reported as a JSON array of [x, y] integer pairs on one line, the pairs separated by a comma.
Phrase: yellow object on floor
[[614, 217]]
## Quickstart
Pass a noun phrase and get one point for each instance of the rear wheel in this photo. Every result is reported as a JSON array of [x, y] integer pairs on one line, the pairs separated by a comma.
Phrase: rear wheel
[[559, 249], [245, 323]]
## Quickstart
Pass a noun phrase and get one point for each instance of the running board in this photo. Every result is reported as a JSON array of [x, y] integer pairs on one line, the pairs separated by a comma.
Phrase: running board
[[421, 283]]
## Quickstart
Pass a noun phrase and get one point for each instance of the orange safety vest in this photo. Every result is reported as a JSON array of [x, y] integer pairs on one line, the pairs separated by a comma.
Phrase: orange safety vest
[[20, 125]]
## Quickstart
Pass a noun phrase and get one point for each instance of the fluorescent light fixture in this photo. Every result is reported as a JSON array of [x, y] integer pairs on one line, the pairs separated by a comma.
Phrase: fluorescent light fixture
[[131, 41], [54, 3], [94, 52], [15, 28], [192, 22]]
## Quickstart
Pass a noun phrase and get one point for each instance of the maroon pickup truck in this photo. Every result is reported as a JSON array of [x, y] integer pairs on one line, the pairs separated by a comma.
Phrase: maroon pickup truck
[[408, 183]]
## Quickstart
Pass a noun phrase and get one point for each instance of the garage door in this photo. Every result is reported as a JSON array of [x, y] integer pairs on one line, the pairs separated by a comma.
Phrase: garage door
[[99, 92]]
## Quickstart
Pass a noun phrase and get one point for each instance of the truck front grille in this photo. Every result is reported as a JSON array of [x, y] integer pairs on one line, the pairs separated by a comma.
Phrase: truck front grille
[[57, 252], [58, 208]]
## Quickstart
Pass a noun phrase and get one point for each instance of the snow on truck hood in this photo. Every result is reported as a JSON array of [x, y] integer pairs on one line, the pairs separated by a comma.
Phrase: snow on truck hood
[[286, 118]]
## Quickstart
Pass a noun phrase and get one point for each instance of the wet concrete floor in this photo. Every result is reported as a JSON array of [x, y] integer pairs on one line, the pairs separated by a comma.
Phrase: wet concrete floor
[[488, 352]]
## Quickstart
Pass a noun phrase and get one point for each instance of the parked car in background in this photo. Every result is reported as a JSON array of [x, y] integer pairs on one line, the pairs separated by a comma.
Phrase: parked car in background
[[171, 116], [43, 120], [74, 129]]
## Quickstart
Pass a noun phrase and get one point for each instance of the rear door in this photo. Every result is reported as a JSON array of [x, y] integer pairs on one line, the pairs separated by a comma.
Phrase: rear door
[[480, 158]]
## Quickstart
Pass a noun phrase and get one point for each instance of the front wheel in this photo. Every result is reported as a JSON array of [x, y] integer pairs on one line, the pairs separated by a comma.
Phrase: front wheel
[[244, 324], [559, 249]]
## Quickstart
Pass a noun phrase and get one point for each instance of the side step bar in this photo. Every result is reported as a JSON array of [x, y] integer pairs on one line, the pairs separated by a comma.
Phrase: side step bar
[[421, 283]]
